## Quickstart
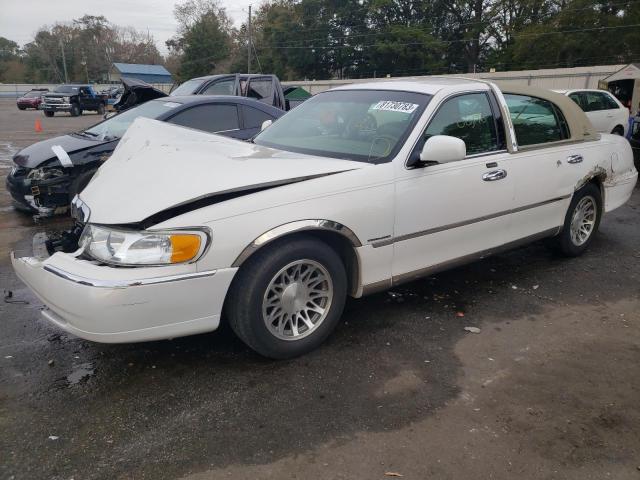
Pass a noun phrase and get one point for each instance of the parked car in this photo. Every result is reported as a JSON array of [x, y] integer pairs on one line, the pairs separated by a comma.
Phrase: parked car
[[31, 99], [74, 99], [356, 190], [603, 109], [264, 88], [44, 180]]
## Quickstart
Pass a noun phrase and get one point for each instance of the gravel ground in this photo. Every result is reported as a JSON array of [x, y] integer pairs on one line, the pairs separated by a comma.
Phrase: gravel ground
[[549, 388]]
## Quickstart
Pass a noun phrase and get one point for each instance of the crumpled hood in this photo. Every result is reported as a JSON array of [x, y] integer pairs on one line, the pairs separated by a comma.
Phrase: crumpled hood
[[158, 166]]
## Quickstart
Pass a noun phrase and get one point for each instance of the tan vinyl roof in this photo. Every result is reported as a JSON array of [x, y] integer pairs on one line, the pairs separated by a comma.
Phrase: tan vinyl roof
[[580, 127]]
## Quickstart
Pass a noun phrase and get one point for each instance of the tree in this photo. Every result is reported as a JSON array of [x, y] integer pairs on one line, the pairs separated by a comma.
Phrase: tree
[[203, 39]]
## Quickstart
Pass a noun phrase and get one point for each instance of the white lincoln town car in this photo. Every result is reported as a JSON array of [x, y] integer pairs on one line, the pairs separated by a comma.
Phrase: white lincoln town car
[[358, 189]]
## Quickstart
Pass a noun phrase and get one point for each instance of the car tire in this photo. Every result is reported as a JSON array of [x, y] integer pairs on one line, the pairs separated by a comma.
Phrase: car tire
[[22, 108], [618, 130], [48, 114], [581, 221], [78, 183], [266, 305], [75, 110], [101, 109]]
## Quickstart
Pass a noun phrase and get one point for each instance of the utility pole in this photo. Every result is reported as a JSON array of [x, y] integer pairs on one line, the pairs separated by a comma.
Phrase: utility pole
[[64, 63], [249, 42]]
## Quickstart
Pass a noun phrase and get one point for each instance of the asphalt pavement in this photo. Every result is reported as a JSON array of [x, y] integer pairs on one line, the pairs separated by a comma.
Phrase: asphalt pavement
[[548, 389]]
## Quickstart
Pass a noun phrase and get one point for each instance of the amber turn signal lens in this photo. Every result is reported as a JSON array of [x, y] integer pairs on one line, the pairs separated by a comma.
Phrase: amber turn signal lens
[[184, 247]]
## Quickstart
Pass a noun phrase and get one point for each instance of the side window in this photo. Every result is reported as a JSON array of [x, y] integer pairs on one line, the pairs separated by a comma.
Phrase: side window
[[609, 102], [84, 91], [535, 120], [580, 99], [223, 87], [210, 118], [596, 101], [468, 117], [253, 117], [259, 88]]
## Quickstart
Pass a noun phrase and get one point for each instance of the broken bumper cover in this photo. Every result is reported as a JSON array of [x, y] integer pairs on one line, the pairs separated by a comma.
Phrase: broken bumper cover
[[42, 196], [103, 304], [618, 193]]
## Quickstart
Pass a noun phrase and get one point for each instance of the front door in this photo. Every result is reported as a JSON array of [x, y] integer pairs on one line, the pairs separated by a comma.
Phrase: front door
[[450, 211]]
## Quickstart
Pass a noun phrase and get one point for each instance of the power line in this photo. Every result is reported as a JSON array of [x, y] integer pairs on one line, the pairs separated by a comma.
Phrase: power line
[[448, 42]]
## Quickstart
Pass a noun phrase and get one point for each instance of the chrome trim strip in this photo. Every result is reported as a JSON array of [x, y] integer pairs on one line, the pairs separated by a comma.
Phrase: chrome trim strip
[[298, 226], [90, 282], [464, 223], [423, 272]]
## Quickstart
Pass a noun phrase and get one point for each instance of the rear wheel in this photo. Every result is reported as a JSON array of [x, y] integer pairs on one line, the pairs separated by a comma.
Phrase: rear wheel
[[20, 107], [618, 130], [581, 221], [288, 297], [48, 113]]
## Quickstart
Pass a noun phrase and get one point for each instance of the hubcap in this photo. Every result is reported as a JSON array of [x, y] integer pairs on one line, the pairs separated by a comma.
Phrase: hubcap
[[297, 300], [583, 220]]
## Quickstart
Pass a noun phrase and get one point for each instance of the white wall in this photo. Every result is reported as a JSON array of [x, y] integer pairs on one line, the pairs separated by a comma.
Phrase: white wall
[[18, 89], [556, 78]]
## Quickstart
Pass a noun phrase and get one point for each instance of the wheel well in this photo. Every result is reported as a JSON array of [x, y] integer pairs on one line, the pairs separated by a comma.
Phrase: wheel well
[[598, 182], [339, 243], [621, 127]]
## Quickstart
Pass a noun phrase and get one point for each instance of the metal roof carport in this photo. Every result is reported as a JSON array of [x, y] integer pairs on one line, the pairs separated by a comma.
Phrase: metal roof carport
[[629, 73], [146, 73]]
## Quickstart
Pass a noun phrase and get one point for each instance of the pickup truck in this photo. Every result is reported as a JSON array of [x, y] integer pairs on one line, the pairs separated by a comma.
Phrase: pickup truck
[[264, 88], [73, 99]]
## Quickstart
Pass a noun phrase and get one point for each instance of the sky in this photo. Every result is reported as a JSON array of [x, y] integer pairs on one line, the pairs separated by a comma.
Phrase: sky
[[20, 19]]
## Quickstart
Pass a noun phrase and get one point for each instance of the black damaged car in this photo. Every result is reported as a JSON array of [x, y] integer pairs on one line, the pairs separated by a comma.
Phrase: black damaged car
[[48, 174]]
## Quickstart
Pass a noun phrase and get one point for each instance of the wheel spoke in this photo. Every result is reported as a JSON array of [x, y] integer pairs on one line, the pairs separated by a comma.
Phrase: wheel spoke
[[297, 300]]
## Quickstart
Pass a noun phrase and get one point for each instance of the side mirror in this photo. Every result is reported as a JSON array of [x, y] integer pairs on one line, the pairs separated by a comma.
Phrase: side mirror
[[266, 124], [441, 149]]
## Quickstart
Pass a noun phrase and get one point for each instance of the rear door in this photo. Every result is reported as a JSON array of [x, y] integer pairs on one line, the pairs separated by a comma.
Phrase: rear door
[[546, 167]]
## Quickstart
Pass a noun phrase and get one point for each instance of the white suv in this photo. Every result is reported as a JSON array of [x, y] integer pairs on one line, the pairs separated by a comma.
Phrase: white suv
[[604, 110]]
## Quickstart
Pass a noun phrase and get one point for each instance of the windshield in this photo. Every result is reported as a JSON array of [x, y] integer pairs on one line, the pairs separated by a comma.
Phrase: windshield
[[115, 126], [362, 125], [33, 94], [66, 89], [187, 88]]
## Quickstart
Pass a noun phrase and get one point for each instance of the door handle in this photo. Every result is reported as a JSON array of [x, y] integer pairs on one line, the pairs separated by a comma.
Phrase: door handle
[[494, 175], [574, 159]]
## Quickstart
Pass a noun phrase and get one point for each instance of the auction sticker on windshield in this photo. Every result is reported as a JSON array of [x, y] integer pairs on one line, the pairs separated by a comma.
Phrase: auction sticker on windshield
[[390, 106]]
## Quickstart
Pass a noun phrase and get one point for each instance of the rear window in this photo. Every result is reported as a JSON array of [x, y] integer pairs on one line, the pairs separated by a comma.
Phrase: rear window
[[535, 120]]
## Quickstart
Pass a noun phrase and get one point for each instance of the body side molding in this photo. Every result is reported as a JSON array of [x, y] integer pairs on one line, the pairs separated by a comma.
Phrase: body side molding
[[297, 226]]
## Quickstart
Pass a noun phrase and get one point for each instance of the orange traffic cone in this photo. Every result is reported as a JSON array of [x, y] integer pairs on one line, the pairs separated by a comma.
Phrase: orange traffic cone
[[37, 126]]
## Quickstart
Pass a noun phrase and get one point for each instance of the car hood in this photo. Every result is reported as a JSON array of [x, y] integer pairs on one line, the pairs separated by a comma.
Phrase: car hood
[[38, 153], [158, 167]]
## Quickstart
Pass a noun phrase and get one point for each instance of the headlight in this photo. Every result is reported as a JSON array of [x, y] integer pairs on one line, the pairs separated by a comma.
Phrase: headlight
[[132, 248]]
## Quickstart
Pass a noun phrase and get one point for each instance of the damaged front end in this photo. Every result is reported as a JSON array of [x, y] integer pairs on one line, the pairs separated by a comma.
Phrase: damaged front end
[[42, 190]]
